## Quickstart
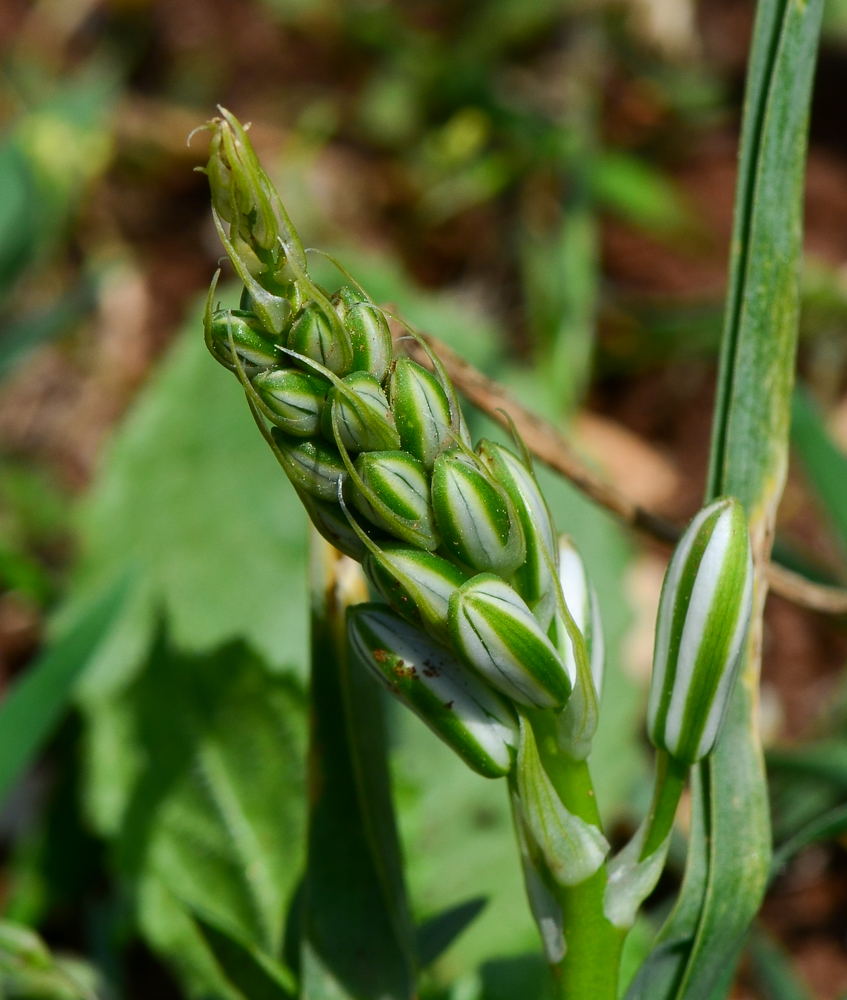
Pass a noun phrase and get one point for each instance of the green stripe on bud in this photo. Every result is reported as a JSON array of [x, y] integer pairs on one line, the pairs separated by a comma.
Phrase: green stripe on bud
[[362, 414], [321, 337], [368, 331], [416, 583], [421, 411], [459, 707], [704, 613], [312, 465], [392, 491], [475, 516], [253, 344], [294, 399], [581, 601], [496, 633], [533, 579]]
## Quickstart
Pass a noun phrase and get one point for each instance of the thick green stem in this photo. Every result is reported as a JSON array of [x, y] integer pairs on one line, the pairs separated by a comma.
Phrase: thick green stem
[[591, 964], [670, 780]]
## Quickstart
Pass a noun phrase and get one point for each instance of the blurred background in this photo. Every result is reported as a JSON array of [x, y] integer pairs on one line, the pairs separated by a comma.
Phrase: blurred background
[[545, 185]]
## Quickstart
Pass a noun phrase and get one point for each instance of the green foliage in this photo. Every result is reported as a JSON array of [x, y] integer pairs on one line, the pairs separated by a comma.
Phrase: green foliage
[[29, 971]]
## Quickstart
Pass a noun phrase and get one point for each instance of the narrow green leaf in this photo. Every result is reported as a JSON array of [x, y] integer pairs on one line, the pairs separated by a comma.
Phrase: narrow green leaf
[[36, 702], [254, 975], [824, 463], [436, 935], [773, 971], [829, 825], [358, 934]]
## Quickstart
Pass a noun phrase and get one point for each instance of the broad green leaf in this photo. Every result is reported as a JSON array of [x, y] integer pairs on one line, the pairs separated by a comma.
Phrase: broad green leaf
[[824, 463], [730, 854], [438, 933], [205, 828], [356, 924], [773, 972], [254, 975], [36, 702]]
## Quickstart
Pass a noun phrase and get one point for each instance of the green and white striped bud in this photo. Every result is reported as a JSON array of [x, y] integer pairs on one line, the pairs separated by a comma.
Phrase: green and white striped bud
[[495, 632], [363, 418], [581, 601], [457, 705], [253, 344], [533, 579], [421, 411], [294, 399], [704, 613], [313, 465], [368, 331], [334, 525], [322, 338], [393, 493], [475, 516], [417, 584]]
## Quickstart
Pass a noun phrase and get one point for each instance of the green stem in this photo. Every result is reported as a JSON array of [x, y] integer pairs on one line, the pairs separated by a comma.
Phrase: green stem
[[671, 776], [591, 964]]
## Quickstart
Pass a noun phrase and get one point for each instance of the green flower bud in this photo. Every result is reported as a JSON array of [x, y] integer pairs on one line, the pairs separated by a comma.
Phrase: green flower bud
[[475, 516], [312, 465], [495, 632], [393, 493], [452, 701], [321, 337], [702, 623], [368, 331], [533, 579], [332, 523], [416, 583], [421, 411], [253, 344], [294, 399], [582, 603], [364, 419]]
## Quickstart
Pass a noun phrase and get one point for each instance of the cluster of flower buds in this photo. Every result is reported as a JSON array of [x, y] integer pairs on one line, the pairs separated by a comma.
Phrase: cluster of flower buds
[[457, 542], [485, 616]]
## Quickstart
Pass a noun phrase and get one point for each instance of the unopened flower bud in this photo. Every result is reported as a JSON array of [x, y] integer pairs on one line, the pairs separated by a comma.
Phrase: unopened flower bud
[[312, 465], [458, 706], [321, 337], [334, 525], [581, 601], [533, 579], [421, 411], [702, 623], [253, 344], [362, 414], [394, 495], [416, 583], [495, 632], [294, 399], [368, 332], [475, 516]]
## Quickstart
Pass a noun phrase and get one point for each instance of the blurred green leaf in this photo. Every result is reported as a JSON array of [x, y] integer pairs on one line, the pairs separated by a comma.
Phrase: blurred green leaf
[[29, 971], [638, 192], [827, 826], [32, 708], [773, 971], [438, 933], [824, 463], [255, 975]]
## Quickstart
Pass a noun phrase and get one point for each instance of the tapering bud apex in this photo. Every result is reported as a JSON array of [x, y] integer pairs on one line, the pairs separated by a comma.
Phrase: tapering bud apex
[[533, 579], [421, 411], [321, 337], [457, 705], [704, 613], [584, 607], [363, 417], [253, 345], [294, 399], [417, 584], [495, 632], [475, 516], [312, 465], [396, 496], [368, 331]]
